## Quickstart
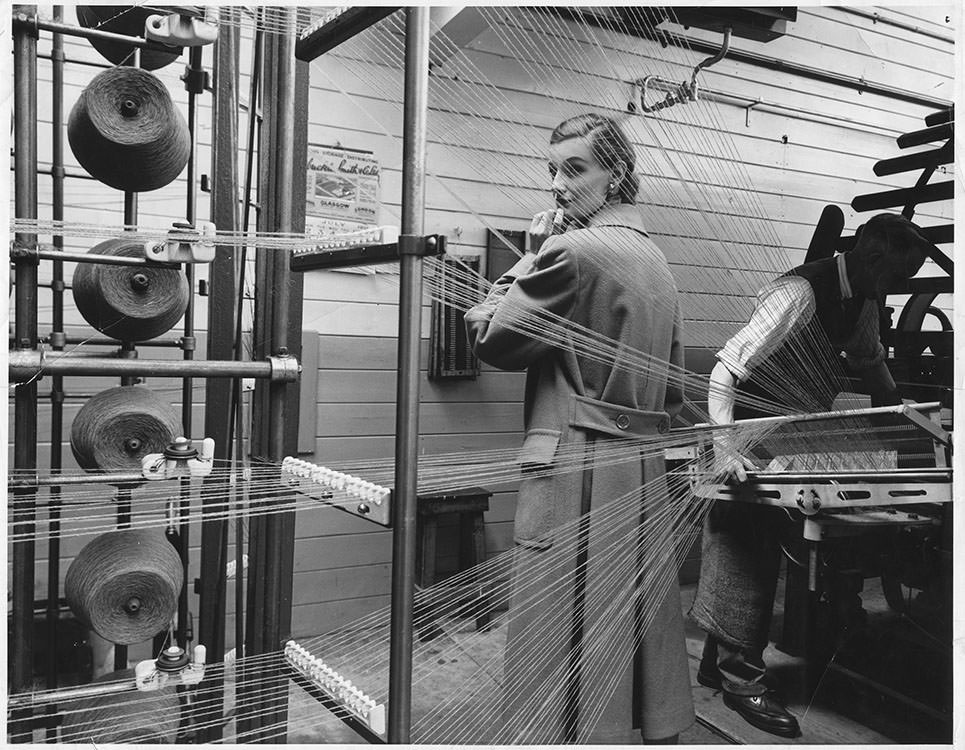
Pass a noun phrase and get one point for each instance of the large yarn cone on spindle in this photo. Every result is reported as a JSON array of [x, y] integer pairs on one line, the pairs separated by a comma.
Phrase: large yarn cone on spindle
[[127, 133], [129, 303], [124, 585], [116, 428], [127, 20], [129, 717]]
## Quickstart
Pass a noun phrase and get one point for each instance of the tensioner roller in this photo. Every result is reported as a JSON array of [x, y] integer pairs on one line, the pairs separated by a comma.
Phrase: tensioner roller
[[128, 20], [124, 585], [129, 717], [126, 132], [116, 428], [129, 303]]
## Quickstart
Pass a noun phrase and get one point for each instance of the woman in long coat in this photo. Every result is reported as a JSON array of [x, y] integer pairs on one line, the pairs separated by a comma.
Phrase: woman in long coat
[[595, 646]]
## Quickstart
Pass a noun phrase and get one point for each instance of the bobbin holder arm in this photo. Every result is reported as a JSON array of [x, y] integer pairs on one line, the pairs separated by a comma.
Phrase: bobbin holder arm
[[179, 459], [185, 244], [364, 255], [172, 667]]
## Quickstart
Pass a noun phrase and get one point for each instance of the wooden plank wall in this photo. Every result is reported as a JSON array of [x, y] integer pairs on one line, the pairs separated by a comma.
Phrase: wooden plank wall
[[731, 196]]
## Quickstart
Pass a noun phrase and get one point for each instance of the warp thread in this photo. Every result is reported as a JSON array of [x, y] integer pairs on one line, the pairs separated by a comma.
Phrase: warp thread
[[129, 303], [129, 21], [126, 132], [128, 717], [116, 428], [125, 585]]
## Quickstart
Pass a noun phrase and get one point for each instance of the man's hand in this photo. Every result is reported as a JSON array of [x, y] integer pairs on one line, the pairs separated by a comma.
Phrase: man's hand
[[729, 464], [545, 224]]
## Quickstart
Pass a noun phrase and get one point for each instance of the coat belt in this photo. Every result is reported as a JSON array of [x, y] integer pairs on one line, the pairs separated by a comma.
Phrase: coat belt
[[618, 421]]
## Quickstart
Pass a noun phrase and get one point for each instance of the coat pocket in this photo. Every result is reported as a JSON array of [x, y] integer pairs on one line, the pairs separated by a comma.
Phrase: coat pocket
[[536, 506]]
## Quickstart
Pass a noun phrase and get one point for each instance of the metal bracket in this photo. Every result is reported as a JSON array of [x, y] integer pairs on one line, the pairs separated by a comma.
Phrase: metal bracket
[[185, 244], [412, 244], [20, 252], [180, 30], [284, 368], [171, 667], [179, 459], [681, 93]]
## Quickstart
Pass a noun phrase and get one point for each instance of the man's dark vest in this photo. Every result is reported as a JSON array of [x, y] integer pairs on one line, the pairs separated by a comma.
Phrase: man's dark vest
[[819, 342]]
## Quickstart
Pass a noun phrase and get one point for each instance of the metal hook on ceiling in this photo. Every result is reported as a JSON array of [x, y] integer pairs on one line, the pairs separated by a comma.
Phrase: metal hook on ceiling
[[681, 93]]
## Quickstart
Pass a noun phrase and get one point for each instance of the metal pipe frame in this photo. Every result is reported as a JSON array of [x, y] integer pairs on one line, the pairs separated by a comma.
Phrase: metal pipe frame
[[59, 480], [28, 20], [407, 386], [57, 388], [253, 129], [268, 611], [70, 694], [25, 364], [218, 414], [78, 257], [25, 331], [192, 76]]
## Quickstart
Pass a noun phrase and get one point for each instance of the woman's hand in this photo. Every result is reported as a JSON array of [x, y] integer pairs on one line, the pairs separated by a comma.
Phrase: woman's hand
[[545, 224]]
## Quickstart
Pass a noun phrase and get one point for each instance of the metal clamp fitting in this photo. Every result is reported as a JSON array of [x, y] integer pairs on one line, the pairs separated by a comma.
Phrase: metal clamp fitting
[[180, 30], [284, 368], [22, 252], [185, 244], [414, 244]]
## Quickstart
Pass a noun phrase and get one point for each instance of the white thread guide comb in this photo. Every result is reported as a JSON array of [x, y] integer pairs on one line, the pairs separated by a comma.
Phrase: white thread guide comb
[[381, 235], [345, 491], [336, 687]]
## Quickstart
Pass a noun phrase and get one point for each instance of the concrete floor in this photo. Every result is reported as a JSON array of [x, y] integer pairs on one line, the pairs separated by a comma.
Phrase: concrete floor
[[821, 720]]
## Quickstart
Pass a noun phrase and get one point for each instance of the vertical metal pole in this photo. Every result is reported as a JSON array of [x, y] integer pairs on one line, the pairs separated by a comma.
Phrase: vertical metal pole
[[217, 413], [57, 384], [407, 390], [237, 405], [279, 528], [192, 76], [25, 333], [271, 536]]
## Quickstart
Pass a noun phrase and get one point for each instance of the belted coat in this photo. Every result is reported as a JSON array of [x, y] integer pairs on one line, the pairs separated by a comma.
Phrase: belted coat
[[608, 284]]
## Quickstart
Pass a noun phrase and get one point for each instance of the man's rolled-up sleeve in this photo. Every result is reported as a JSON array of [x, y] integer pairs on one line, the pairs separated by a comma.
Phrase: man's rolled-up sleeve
[[784, 307], [525, 302]]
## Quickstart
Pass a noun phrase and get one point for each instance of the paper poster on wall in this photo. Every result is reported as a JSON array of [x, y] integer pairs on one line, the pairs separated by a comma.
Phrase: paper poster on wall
[[342, 185]]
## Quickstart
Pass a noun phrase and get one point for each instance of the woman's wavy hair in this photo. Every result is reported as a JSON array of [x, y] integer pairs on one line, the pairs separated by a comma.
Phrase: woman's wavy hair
[[609, 144]]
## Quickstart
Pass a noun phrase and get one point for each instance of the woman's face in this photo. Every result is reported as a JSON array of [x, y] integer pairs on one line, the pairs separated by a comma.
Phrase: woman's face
[[580, 184]]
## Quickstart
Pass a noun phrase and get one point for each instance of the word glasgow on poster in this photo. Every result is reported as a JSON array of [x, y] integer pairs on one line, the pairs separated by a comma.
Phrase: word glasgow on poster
[[342, 185]]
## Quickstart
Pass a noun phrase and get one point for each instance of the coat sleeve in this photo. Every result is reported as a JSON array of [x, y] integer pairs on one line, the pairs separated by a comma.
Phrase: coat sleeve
[[674, 400], [529, 296]]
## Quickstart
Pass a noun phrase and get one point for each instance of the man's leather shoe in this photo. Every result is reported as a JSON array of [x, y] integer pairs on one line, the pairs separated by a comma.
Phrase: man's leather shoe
[[764, 712]]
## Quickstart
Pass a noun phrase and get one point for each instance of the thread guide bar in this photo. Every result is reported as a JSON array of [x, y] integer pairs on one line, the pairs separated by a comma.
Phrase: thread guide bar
[[364, 253], [346, 492], [336, 693]]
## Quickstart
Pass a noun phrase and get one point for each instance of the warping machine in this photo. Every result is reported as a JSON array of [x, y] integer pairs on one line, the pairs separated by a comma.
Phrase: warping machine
[[104, 552], [146, 472]]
